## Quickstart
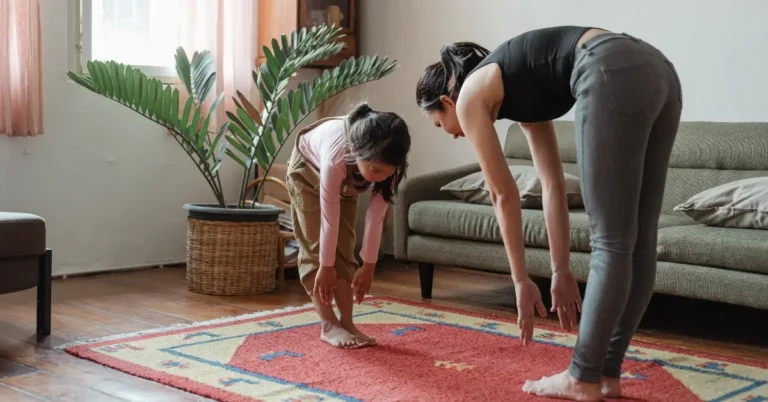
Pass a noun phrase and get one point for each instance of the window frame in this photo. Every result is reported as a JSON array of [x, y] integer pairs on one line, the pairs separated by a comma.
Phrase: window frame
[[83, 45]]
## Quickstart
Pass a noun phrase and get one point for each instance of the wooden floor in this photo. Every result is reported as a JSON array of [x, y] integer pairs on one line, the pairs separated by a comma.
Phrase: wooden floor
[[100, 305]]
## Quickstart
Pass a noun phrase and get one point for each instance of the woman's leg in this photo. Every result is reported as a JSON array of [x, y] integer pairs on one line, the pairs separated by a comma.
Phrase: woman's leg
[[663, 134], [620, 92]]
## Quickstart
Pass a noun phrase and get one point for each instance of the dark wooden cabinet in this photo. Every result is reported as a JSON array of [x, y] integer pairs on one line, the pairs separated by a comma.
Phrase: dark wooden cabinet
[[277, 17]]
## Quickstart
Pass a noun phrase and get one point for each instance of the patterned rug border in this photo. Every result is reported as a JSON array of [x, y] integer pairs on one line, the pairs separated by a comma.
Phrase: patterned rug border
[[197, 324], [73, 346]]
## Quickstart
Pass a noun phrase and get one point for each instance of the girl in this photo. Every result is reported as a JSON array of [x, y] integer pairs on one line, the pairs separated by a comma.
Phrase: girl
[[335, 159], [628, 104]]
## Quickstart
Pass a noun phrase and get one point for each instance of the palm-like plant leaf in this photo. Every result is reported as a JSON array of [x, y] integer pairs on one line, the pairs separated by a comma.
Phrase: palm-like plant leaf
[[198, 75]]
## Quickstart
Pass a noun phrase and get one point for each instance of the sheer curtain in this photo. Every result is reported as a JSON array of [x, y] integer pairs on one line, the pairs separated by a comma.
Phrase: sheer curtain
[[21, 103], [228, 29]]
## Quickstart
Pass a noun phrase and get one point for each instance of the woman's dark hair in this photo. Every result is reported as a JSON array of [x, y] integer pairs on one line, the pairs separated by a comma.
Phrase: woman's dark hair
[[447, 76], [382, 137]]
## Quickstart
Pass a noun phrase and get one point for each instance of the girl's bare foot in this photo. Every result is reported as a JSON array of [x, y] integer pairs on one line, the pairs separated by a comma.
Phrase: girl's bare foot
[[338, 337], [611, 387], [364, 339], [564, 386]]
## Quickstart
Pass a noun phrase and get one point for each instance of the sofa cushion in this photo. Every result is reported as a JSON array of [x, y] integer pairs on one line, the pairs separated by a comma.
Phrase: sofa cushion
[[22, 235], [739, 249], [456, 219], [460, 220], [741, 204], [473, 188]]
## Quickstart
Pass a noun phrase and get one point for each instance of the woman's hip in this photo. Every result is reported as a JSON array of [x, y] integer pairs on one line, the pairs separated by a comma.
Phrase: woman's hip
[[625, 74]]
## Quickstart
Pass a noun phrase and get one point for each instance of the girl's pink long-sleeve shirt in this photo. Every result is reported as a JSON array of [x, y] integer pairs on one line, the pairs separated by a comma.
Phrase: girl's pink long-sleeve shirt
[[325, 148]]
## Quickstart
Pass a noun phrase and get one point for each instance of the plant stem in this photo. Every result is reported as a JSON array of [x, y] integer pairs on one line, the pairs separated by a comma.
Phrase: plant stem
[[216, 190]]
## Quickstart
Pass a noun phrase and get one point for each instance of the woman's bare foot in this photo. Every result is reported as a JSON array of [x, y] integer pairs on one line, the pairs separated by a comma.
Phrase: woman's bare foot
[[363, 338], [564, 386], [611, 387], [338, 337]]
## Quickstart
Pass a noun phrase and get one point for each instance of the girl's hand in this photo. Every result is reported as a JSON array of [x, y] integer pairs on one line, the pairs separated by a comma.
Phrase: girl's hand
[[565, 298], [325, 284], [361, 285], [528, 300]]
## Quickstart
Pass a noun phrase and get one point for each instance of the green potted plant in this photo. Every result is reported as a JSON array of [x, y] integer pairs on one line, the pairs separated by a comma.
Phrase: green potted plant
[[232, 246]]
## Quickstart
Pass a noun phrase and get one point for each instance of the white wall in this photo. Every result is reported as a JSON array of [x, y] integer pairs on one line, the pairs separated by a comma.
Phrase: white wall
[[718, 47], [110, 184]]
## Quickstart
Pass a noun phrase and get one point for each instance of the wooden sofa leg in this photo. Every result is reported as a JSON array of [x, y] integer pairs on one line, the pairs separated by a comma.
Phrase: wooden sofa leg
[[426, 273], [44, 296]]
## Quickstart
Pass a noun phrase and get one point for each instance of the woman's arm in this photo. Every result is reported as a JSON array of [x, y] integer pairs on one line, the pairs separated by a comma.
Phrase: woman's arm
[[480, 95], [474, 109], [546, 159], [542, 141]]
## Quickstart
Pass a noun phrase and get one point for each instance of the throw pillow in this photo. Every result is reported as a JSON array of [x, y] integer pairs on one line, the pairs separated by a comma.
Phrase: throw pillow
[[741, 204], [474, 189]]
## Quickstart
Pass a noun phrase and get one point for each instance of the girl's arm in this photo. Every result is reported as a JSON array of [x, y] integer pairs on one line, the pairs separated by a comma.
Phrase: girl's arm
[[332, 175], [374, 224]]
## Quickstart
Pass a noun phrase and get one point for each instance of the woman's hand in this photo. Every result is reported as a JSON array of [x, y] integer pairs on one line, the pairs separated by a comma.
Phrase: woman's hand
[[566, 299], [528, 299], [361, 285], [325, 284]]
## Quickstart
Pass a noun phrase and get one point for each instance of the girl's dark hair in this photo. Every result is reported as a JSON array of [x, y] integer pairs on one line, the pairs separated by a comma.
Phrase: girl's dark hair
[[382, 137], [447, 76]]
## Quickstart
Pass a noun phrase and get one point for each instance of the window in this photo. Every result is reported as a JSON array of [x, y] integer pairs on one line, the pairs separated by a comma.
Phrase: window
[[142, 33]]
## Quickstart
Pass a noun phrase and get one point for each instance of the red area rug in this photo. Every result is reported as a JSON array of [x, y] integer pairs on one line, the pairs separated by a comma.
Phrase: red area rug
[[425, 353]]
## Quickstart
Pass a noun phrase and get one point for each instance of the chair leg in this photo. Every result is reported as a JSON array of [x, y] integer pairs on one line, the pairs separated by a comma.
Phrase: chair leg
[[44, 296], [426, 274]]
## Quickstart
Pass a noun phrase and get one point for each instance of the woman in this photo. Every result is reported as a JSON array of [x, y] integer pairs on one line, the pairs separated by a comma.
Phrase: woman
[[628, 103]]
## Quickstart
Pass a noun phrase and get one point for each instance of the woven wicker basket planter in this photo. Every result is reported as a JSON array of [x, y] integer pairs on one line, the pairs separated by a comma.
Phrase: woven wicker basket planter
[[232, 251]]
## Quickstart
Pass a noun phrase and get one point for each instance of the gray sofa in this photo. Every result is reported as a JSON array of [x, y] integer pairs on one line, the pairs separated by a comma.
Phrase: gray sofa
[[695, 261]]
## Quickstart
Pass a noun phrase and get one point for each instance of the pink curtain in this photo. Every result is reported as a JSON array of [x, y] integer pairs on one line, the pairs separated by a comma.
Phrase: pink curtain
[[21, 91], [228, 29]]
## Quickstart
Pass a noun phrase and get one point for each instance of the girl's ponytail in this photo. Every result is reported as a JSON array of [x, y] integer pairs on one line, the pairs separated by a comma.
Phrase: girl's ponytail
[[360, 112]]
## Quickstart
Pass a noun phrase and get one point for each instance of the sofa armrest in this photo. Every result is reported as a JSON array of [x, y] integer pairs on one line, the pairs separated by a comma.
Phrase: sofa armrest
[[421, 188]]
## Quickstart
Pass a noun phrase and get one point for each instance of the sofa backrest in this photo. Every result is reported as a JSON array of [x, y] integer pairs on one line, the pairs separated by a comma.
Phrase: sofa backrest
[[705, 155]]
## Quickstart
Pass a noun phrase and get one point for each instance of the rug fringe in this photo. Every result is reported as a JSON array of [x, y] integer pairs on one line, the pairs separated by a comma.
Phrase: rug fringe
[[221, 320]]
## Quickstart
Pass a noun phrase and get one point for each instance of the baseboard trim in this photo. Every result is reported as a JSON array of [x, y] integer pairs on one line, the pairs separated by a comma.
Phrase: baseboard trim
[[170, 264]]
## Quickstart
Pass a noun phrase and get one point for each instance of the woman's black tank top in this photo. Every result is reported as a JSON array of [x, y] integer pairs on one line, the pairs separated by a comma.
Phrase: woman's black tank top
[[536, 70]]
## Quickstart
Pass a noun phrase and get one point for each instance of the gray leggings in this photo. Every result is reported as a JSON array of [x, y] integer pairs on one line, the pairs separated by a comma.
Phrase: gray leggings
[[628, 104]]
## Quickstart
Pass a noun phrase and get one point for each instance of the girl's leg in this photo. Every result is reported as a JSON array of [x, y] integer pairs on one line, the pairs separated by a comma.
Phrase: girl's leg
[[331, 330], [345, 302], [305, 211], [346, 267]]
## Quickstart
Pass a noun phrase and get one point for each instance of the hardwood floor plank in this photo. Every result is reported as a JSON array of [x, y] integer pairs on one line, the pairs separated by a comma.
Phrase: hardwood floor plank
[[87, 374], [8, 393], [53, 388]]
